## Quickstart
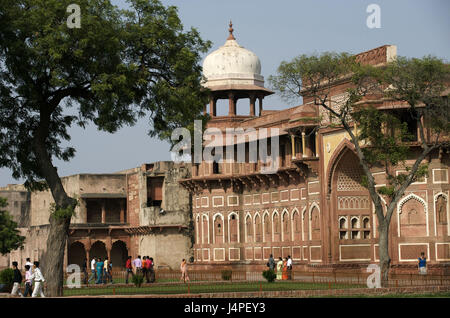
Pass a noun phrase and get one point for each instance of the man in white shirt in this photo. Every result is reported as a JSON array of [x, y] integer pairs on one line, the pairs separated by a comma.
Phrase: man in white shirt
[[138, 264], [289, 267], [29, 263], [93, 275], [38, 280]]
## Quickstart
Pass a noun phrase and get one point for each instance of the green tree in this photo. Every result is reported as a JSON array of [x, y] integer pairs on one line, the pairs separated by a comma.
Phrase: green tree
[[10, 238], [119, 66], [382, 138]]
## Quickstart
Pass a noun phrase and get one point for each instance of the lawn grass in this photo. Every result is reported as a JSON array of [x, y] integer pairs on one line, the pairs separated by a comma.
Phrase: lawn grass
[[180, 288]]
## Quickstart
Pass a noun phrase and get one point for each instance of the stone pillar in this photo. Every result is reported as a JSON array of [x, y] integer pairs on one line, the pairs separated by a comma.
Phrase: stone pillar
[[303, 145], [212, 107], [103, 211], [260, 105], [293, 146], [232, 104], [252, 105], [317, 144], [122, 212], [108, 245]]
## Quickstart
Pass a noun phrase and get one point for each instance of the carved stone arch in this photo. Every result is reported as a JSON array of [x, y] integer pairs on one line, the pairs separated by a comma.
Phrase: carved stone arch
[[276, 226], [218, 229], [314, 223], [76, 253], [285, 228], [441, 214], [248, 226], [339, 152], [296, 225], [267, 226], [233, 228], [257, 222], [305, 224], [400, 205], [205, 228]]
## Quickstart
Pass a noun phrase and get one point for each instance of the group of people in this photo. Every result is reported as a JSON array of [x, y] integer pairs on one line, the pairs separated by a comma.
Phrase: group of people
[[283, 267], [33, 276], [101, 271], [144, 267]]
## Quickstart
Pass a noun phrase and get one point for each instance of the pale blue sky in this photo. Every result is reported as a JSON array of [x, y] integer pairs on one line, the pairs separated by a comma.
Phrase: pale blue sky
[[275, 31]]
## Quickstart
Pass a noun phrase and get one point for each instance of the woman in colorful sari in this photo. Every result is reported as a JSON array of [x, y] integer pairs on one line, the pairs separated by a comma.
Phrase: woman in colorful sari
[[279, 268], [285, 270]]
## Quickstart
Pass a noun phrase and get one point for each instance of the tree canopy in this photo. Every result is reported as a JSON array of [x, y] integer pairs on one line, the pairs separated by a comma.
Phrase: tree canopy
[[120, 65]]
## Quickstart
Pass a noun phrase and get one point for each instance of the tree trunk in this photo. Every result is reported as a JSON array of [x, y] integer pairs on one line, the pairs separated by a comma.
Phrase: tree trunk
[[385, 260], [53, 258]]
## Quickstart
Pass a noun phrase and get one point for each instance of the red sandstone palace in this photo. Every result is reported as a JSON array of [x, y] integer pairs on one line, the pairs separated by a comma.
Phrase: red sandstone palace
[[314, 207]]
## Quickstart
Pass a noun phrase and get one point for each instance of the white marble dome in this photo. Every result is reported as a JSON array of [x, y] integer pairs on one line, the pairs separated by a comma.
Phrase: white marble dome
[[232, 64]]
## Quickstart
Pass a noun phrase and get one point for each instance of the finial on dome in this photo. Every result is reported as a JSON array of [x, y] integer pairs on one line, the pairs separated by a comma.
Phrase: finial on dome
[[231, 36]]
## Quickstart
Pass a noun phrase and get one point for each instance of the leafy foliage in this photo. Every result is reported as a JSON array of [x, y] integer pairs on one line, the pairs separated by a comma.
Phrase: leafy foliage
[[7, 276], [137, 280], [269, 275], [226, 274], [119, 66], [10, 238]]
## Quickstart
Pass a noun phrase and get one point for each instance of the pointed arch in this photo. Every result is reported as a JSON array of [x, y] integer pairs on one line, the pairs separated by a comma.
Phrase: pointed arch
[[267, 227], [205, 228], [400, 205], [296, 225], [305, 225], [248, 228], [276, 226], [339, 152], [233, 228], [218, 228], [438, 214], [314, 222], [258, 227], [285, 225]]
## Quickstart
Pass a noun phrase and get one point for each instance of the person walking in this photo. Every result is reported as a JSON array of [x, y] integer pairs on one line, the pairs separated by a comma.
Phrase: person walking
[[84, 270], [285, 270], [422, 264], [184, 273], [152, 270], [38, 281], [17, 280], [144, 268], [271, 263], [28, 262], [28, 281], [93, 273], [279, 268], [137, 263], [106, 272], [289, 267], [99, 268], [129, 269]]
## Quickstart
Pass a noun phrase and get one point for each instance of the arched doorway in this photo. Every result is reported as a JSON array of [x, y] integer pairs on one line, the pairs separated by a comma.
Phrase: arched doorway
[[76, 254], [351, 211], [119, 254], [98, 249]]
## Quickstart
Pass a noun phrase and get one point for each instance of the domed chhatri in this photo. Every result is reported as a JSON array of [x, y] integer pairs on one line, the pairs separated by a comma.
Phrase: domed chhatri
[[232, 64], [235, 72]]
